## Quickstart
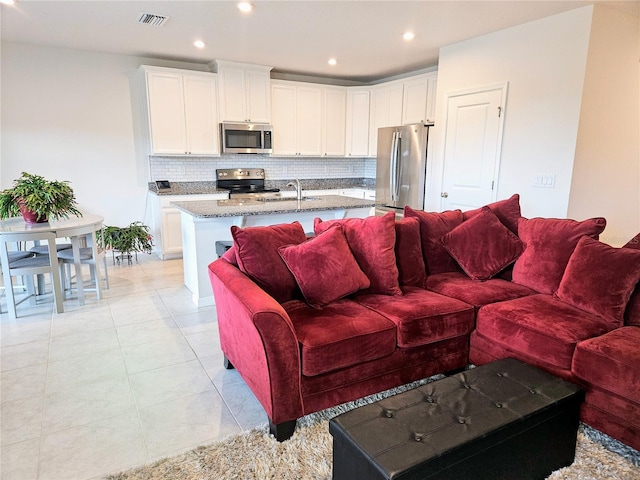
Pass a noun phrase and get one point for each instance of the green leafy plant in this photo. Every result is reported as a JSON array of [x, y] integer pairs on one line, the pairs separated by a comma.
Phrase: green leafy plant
[[134, 238], [46, 199]]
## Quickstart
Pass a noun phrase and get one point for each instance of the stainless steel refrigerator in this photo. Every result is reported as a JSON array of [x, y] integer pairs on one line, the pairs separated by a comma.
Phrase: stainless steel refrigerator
[[402, 167]]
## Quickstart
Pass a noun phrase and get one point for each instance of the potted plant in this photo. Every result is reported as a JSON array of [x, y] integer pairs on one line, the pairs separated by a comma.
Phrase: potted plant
[[38, 199], [134, 238]]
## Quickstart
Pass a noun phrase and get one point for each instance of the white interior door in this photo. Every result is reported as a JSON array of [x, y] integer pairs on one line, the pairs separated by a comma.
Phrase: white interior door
[[473, 139]]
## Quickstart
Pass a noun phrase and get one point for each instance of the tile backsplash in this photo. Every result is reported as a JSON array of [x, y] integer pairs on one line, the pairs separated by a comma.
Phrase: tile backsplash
[[193, 169]]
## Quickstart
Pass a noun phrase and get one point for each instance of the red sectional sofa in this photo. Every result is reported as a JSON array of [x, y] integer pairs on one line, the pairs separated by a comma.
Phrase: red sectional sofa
[[370, 304]]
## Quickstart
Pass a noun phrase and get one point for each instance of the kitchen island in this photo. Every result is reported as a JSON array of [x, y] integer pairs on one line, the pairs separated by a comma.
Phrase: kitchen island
[[204, 222]]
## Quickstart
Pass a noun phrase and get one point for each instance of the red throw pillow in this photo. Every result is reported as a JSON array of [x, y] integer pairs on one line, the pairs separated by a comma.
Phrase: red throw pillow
[[600, 279], [549, 243], [257, 256], [324, 268], [507, 211], [372, 241], [482, 245], [433, 226], [409, 259]]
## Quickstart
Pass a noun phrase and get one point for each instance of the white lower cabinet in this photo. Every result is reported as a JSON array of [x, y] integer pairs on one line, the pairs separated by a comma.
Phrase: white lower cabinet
[[166, 226]]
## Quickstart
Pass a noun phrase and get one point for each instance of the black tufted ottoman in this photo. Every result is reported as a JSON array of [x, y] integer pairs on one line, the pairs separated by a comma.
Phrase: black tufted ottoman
[[504, 420]]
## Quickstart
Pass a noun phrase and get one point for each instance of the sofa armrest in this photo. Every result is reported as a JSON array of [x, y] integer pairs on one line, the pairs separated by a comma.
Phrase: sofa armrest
[[257, 336]]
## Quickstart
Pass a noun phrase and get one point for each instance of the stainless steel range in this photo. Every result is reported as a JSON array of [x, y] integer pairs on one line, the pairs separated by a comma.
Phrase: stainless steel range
[[244, 183]]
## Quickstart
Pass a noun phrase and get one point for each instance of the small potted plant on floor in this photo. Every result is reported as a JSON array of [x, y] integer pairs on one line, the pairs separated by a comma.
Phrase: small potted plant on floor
[[38, 199], [134, 238]]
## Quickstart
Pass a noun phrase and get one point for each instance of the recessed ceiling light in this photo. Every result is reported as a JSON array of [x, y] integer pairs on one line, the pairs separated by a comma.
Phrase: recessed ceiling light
[[245, 7], [199, 44], [333, 61], [408, 35]]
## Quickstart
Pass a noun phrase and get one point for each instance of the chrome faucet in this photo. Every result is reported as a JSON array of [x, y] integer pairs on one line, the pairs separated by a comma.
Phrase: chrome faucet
[[298, 188]]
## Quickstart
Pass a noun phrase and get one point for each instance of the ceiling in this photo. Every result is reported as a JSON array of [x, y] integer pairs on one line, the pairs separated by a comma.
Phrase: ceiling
[[295, 37]]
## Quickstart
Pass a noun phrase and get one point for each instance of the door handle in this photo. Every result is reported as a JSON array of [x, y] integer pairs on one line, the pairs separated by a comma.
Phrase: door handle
[[444, 195]]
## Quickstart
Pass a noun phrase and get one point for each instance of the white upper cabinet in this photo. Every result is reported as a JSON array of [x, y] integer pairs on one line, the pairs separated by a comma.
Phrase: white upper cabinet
[[182, 112], [245, 92], [400, 102], [418, 99], [334, 121], [358, 121], [308, 119], [386, 110], [283, 118]]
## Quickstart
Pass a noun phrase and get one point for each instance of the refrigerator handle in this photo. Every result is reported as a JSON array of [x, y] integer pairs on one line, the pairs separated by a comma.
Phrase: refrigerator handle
[[393, 164]]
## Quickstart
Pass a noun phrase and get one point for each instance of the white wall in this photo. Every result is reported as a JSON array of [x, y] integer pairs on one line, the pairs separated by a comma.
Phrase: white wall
[[606, 174], [69, 115], [544, 62]]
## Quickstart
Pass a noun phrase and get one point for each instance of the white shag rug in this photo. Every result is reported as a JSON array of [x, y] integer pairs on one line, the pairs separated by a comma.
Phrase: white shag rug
[[307, 455]]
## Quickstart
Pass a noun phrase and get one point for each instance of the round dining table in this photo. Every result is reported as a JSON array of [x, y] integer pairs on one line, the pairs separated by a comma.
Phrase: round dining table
[[80, 230]]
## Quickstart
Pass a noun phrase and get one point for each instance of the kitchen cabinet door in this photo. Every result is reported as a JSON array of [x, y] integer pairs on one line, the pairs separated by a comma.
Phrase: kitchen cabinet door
[[296, 119], [233, 103], [334, 121], [419, 99], [414, 101], [182, 112], [309, 121], [245, 92], [201, 112], [386, 110], [358, 122], [431, 98], [165, 102], [258, 85], [284, 119]]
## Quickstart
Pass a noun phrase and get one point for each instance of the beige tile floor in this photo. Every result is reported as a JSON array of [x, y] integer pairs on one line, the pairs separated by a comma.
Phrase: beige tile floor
[[115, 383]]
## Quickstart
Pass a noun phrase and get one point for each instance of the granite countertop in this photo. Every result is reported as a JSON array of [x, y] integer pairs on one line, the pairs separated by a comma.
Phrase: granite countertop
[[187, 188], [200, 188], [238, 207]]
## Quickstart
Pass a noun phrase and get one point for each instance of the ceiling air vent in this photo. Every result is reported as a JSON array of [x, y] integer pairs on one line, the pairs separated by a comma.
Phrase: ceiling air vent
[[152, 19]]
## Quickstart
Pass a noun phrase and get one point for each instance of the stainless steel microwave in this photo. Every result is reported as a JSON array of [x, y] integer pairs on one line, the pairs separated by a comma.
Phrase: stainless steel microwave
[[246, 137]]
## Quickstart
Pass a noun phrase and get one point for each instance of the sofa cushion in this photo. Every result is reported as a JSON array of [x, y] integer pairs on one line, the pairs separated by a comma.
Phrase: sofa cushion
[[540, 326], [508, 211], [433, 225], [324, 267], [257, 256], [549, 243], [372, 241], [342, 334], [409, 259], [422, 316], [482, 245], [611, 361], [600, 279], [476, 292]]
